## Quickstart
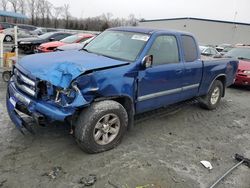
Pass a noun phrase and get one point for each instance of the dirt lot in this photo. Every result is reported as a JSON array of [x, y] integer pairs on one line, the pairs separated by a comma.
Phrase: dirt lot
[[164, 150]]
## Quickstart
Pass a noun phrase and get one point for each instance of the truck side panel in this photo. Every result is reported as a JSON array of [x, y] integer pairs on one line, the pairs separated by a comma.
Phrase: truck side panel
[[214, 69]]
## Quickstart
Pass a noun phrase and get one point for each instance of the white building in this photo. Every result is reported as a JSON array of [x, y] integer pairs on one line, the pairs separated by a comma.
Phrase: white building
[[207, 31]]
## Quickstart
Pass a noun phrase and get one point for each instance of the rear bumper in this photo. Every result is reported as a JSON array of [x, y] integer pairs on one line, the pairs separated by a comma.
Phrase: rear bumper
[[242, 80], [17, 101]]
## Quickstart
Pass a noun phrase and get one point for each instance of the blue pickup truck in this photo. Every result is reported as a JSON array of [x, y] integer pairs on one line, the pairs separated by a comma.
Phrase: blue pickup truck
[[122, 72]]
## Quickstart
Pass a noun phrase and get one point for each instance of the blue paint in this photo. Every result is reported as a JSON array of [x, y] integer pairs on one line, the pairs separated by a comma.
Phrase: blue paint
[[98, 77], [60, 68]]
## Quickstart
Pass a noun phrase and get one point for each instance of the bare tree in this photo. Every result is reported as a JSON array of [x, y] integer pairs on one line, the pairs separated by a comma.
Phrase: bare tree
[[41, 11], [14, 4], [4, 4], [132, 20], [32, 10], [56, 13], [48, 12], [22, 6], [66, 15]]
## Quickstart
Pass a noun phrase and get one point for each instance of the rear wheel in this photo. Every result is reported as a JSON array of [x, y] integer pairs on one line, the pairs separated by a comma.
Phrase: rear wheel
[[212, 99], [101, 126]]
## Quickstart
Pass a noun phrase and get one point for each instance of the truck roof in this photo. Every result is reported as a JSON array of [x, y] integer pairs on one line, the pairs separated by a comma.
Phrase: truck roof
[[147, 30]]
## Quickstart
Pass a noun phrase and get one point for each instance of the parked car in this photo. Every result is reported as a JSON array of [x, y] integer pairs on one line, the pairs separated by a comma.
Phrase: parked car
[[21, 33], [209, 51], [51, 46], [221, 47], [243, 54], [226, 49], [27, 27], [39, 31], [74, 46], [5, 25], [29, 45], [122, 72]]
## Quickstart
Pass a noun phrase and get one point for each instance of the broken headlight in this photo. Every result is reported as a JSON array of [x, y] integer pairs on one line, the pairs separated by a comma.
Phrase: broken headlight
[[60, 96], [65, 97]]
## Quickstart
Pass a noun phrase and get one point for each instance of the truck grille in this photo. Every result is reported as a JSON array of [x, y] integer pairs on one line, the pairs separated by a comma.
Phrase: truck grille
[[24, 83]]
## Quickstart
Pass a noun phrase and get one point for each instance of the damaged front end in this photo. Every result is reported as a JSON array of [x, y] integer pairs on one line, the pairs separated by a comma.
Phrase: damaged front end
[[41, 100]]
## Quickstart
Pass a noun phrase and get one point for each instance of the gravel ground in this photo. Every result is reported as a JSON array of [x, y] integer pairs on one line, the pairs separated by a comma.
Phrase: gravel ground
[[164, 150]]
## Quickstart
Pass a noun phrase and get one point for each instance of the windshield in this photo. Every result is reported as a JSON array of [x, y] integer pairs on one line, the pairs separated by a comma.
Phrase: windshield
[[71, 39], [118, 44], [239, 53], [46, 35]]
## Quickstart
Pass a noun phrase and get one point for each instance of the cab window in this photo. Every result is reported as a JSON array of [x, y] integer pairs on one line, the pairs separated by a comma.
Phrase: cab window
[[164, 50]]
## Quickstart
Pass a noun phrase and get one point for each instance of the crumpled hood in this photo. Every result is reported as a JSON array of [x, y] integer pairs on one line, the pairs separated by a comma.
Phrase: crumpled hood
[[60, 68]]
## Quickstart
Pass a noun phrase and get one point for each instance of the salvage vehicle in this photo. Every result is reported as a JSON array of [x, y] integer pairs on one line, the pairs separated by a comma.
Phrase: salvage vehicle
[[29, 45], [242, 53], [124, 71], [73, 39], [74, 46]]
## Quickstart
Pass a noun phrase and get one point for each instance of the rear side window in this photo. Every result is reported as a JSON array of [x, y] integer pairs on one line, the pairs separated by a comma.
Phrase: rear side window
[[190, 48]]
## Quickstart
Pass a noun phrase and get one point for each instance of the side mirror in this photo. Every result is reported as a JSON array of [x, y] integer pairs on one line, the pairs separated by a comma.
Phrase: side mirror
[[147, 61], [51, 39]]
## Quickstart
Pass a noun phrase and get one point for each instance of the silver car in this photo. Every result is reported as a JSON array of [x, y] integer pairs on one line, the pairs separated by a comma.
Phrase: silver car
[[21, 33]]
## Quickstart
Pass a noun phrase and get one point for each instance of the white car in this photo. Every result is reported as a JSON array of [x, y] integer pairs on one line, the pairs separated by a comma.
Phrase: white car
[[21, 33], [74, 46]]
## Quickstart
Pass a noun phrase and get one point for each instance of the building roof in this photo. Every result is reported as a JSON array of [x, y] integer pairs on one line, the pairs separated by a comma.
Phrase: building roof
[[12, 14], [199, 19]]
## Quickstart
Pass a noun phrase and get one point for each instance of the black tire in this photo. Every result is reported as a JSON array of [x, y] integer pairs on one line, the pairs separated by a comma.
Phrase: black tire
[[8, 38], [206, 101], [87, 122], [6, 76]]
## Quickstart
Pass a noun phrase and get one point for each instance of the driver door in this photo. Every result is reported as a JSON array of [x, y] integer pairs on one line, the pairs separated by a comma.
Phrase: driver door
[[161, 84]]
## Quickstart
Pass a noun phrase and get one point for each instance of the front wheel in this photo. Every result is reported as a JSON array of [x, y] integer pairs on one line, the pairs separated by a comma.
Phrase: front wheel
[[212, 99], [101, 126]]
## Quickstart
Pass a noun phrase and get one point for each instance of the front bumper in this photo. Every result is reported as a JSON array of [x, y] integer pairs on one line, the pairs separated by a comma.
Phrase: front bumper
[[242, 80], [17, 100]]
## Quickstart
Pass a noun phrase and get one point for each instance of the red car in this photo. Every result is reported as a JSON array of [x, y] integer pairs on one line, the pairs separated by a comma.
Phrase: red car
[[243, 54], [51, 46]]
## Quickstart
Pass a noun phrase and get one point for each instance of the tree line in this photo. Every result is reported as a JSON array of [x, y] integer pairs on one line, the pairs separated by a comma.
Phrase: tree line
[[43, 13]]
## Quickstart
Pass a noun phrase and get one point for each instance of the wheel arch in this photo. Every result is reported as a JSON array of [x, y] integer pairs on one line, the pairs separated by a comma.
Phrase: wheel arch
[[223, 79], [126, 102]]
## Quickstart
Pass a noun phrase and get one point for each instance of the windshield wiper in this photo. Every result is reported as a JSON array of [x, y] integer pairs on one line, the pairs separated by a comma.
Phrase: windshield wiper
[[84, 49]]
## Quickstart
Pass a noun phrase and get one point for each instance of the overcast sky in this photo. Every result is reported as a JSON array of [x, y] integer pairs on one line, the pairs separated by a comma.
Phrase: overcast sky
[[158, 9]]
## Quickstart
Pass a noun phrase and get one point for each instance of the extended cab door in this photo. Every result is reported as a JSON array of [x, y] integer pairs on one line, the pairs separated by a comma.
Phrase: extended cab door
[[161, 84], [193, 67]]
